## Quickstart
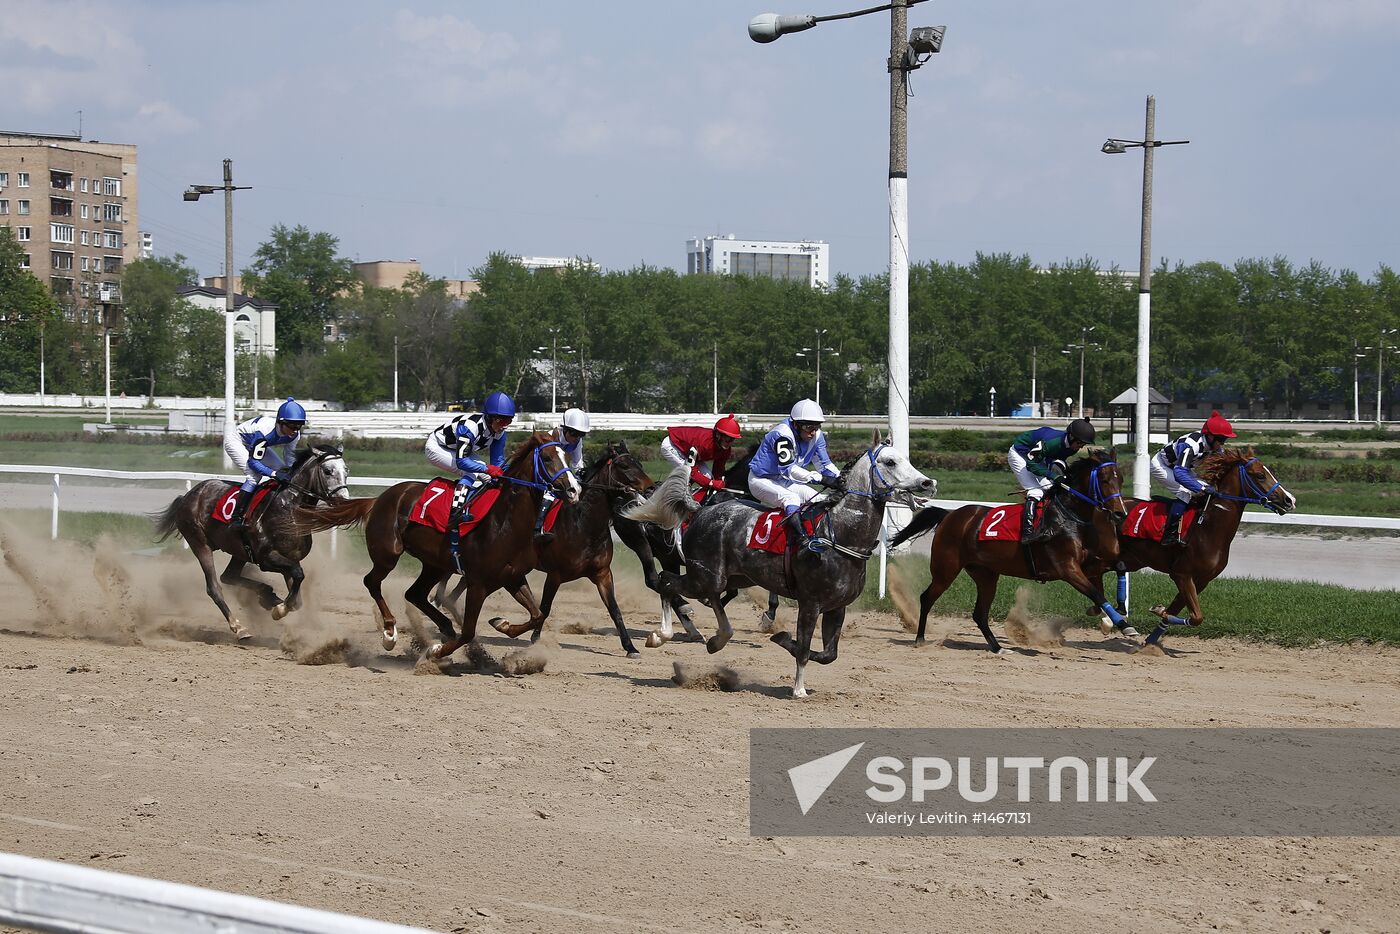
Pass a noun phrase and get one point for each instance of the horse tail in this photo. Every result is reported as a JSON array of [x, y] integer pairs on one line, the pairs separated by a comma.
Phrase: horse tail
[[669, 504], [923, 520], [167, 520], [338, 515]]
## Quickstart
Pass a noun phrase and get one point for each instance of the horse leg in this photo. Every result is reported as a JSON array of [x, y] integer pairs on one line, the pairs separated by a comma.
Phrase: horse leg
[[801, 646], [726, 632], [832, 621], [942, 575], [417, 595], [981, 613], [1073, 575], [291, 570], [233, 577], [526, 598], [205, 557], [1185, 595], [474, 597], [604, 583]]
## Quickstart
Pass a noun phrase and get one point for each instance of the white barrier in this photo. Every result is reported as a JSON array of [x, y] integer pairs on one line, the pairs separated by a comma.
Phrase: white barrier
[[41, 895]]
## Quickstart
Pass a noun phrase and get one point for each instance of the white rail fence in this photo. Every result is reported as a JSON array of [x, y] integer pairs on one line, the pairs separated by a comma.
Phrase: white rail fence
[[41, 895]]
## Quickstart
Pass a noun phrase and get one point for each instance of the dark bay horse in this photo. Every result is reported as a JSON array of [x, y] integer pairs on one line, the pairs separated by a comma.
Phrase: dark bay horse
[[1239, 479], [719, 561], [1086, 506], [318, 474], [497, 553], [582, 545]]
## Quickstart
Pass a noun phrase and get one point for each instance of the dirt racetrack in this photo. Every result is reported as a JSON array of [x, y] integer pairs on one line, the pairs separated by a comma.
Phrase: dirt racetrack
[[597, 795]]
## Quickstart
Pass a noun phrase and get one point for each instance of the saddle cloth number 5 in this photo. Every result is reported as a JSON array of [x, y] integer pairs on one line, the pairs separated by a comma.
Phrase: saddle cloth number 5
[[765, 531]]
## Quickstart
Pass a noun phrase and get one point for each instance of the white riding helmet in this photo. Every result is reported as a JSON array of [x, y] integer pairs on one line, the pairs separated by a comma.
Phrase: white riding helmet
[[807, 411], [577, 419]]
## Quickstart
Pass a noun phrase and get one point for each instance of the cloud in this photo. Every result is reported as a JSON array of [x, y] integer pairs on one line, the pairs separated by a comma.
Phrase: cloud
[[1289, 23], [460, 39], [163, 118]]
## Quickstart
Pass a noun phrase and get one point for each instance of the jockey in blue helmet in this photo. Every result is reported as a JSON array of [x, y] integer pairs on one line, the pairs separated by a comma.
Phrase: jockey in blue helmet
[[264, 446], [454, 447]]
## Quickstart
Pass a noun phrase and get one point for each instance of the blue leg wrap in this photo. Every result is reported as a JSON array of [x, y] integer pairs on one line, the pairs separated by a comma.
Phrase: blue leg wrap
[[1176, 621], [1122, 590], [1157, 634], [1113, 614]]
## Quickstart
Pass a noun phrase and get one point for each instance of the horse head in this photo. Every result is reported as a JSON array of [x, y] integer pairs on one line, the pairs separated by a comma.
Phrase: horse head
[[623, 470], [1238, 474], [884, 469], [541, 460], [1095, 477], [321, 470]]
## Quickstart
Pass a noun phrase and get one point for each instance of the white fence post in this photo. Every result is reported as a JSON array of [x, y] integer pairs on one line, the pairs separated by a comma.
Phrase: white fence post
[[53, 531], [189, 484], [333, 542]]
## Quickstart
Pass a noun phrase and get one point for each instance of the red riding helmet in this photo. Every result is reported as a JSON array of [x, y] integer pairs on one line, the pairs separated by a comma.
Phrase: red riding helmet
[[1217, 425], [729, 426]]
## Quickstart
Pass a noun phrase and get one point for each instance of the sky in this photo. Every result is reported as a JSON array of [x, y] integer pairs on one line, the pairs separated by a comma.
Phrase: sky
[[616, 130]]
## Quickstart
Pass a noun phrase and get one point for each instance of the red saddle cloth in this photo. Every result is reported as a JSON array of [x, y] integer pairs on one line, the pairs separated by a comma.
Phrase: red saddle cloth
[[552, 516], [436, 502], [1003, 523], [223, 507], [699, 497], [1147, 520], [770, 532]]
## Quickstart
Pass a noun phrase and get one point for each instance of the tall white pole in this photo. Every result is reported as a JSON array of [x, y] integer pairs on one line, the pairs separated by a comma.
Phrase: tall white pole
[[1355, 385], [396, 372], [1035, 406], [899, 229], [1081, 376], [554, 379], [230, 421], [41, 364], [1141, 486], [107, 353], [1380, 362], [819, 370], [714, 403]]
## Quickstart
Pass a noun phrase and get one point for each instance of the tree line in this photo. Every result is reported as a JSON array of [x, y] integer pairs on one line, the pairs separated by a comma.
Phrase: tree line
[[649, 339]]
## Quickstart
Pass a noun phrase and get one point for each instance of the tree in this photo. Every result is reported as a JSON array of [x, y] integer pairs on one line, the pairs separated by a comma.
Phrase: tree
[[26, 310], [299, 271], [152, 341]]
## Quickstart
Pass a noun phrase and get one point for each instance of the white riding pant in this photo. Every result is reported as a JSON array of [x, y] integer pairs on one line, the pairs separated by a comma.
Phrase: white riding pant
[[1166, 477], [233, 447], [675, 456], [1034, 486], [443, 459], [779, 494]]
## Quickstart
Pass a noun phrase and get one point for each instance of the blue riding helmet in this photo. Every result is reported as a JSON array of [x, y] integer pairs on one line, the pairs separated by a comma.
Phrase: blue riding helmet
[[291, 411], [498, 403]]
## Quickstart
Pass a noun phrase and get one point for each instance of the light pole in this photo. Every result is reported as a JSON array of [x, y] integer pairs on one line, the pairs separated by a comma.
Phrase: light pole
[[1083, 343], [192, 194], [1141, 487], [908, 51], [553, 349], [107, 354], [396, 372], [1355, 383], [992, 409], [41, 363], [1035, 406], [1380, 349], [817, 352], [714, 403]]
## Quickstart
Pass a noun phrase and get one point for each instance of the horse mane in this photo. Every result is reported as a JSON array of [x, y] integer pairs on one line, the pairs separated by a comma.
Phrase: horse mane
[[528, 447], [1214, 466], [315, 450]]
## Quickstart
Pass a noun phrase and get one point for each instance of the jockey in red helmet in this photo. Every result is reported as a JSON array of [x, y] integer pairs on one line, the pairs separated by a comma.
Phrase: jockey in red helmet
[[1174, 468], [710, 444]]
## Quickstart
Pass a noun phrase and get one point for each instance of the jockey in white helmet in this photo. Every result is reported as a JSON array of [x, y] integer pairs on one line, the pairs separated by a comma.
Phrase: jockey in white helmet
[[778, 474], [570, 435]]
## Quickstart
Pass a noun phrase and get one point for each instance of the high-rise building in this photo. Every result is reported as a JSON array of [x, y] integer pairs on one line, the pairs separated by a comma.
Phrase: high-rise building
[[806, 261], [71, 204]]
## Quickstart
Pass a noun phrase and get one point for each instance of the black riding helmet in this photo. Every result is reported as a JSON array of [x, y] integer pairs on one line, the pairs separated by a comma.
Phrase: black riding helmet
[[1081, 430]]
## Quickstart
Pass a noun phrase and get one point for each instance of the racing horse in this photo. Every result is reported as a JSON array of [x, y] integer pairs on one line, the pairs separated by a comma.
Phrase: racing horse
[[318, 474], [1238, 479], [582, 544], [718, 559], [498, 553], [1086, 506]]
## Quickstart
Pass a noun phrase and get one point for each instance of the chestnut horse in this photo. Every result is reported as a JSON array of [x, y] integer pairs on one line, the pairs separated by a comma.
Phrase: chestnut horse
[[497, 553], [1086, 506], [582, 544], [318, 473], [1239, 479]]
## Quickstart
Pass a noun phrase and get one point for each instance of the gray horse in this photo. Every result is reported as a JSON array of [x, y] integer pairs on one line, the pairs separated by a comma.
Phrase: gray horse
[[718, 560]]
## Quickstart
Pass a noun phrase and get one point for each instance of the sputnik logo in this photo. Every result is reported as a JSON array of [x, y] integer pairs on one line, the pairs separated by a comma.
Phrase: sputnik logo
[[810, 780]]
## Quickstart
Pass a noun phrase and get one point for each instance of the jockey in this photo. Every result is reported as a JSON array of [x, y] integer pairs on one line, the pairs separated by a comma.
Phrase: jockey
[[453, 447], [264, 446], [712, 444], [778, 472], [1174, 469], [1036, 458], [570, 436]]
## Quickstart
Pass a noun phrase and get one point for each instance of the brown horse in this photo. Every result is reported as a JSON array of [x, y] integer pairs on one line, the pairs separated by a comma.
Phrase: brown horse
[[1086, 505], [318, 474], [582, 545], [497, 553], [1239, 479]]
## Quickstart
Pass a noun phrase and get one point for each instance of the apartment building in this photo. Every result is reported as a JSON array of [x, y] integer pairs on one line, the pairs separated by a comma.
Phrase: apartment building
[[71, 205], [806, 261]]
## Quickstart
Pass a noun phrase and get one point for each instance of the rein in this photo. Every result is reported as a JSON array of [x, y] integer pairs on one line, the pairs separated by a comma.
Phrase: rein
[[1096, 497], [540, 470], [880, 495], [1254, 493], [319, 497]]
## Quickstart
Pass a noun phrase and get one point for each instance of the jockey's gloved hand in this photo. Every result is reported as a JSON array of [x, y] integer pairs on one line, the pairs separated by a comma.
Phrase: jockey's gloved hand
[[283, 477], [1058, 469], [493, 471], [717, 484], [832, 483]]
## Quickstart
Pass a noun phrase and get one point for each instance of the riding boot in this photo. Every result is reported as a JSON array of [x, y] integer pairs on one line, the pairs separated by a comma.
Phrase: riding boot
[[1171, 532], [541, 536], [1030, 532], [240, 510], [797, 535], [456, 516]]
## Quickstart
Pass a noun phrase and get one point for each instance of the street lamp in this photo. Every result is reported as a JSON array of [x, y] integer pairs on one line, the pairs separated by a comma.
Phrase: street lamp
[[1356, 359], [1380, 349], [908, 51], [1070, 348], [192, 194], [817, 352], [1141, 488], [554, 349]]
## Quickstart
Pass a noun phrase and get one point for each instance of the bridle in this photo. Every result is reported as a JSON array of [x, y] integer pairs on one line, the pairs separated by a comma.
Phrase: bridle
[[873, 455], [1095, 496], [540, 469], [1253, 492], [319, 458]]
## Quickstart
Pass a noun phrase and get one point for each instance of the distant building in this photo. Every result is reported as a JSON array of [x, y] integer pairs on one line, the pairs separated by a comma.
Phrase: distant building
[[254, 320], [554, 262], [393, 273], [71, 204], [806, 261], [147, 248]]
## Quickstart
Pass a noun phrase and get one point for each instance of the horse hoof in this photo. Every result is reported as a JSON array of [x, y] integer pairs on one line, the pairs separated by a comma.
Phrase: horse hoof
[[499, 623], [634, 654], [237, 628], [435, 651], [799, 693], [766, 623], [919, 642], [389, 638], [716, 642], [280, 611], [655, 640], [1130, 633]]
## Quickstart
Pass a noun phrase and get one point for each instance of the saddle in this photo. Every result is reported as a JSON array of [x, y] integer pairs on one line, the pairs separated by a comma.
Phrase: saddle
[[223, 506]]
